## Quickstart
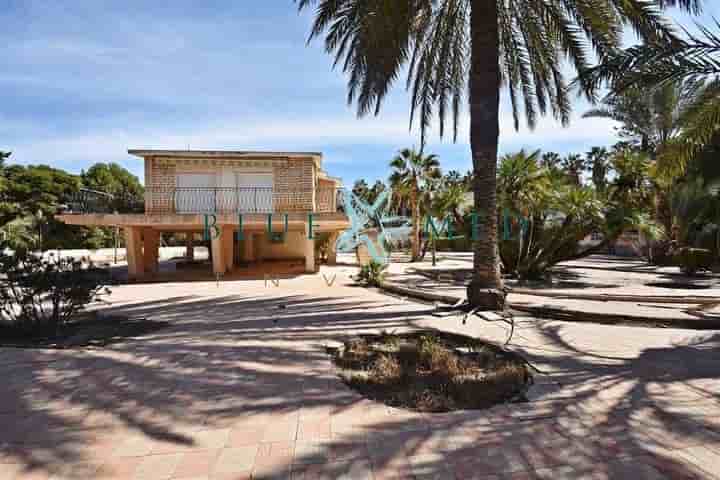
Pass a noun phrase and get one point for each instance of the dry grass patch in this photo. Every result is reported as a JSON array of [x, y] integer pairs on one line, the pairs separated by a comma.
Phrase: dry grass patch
[[432, 371]]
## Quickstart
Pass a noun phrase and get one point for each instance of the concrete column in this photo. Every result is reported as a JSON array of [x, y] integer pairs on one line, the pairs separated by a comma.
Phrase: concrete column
[[218, 259], [309, 255], [248, 248], [151, 249], [189, 247], [332, 249], [133, 249], [228, 243]]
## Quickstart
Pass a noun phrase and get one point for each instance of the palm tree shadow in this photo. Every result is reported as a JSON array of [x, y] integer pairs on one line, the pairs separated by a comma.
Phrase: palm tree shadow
[[220, 359], [238, 358]]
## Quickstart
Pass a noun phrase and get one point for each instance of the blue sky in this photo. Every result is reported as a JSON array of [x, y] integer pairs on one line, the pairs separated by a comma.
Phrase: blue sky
[[83, 81]]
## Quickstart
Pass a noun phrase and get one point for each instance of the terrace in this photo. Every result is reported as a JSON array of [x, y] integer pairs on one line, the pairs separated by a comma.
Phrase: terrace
[[209, 200]]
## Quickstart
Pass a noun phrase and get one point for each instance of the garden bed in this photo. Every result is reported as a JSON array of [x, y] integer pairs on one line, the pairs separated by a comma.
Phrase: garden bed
[[432, 371], [88, 330]]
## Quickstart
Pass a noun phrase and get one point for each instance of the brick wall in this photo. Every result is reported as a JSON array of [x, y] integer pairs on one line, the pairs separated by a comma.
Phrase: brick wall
[[326, 195], [159, 183], [294, 186], [294, 182]]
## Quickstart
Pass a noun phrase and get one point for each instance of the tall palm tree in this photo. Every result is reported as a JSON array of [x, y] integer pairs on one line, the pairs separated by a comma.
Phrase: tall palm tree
[[573, 166], [651, 118], [413, 176], [466, 50], [597, 159], [655, 118]]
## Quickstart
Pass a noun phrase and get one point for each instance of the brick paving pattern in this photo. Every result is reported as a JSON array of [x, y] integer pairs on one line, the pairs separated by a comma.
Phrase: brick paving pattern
[[239, 386]]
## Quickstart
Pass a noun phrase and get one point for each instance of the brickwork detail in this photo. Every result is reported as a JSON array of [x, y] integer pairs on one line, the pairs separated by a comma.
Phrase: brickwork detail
[[159, 185], [293, 186], [296, 187]]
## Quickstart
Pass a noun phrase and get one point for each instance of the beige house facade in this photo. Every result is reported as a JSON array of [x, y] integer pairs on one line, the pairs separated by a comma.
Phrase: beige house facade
[[255, 208]]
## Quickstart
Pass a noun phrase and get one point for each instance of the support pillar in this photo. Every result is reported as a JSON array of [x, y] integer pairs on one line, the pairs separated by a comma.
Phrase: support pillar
[[332, 249], [151, 249], [248, 248], [309, 255], [133, 250], [189, 247], [228, 242], [218, 259]]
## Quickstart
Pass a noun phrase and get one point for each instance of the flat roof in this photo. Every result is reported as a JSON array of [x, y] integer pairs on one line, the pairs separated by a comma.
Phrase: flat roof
[[218, 153]]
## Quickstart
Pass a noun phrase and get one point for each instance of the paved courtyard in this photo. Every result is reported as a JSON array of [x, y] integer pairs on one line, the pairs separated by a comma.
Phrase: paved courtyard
[[238, 386]]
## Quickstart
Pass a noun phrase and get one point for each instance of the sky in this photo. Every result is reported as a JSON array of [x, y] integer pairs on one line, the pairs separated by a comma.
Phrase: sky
[[83, 81]]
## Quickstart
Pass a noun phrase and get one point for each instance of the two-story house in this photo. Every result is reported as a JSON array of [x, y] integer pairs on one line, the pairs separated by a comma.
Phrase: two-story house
[[232, 198]]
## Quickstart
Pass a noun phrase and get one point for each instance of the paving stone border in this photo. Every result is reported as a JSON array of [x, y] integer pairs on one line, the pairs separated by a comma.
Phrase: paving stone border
[[578, 315]]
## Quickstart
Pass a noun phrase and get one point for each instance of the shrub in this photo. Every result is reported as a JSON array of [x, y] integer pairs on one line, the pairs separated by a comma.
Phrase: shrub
[[435, 357], [39, 295], [388, 338], [692, 260], [385, 369], [372, 274]]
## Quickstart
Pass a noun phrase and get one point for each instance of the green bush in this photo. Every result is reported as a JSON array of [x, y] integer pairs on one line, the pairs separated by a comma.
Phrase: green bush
[[38, 295], [372, 274], [693, 260]]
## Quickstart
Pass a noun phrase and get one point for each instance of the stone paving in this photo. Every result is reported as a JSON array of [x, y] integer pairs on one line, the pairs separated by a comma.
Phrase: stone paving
[[239, 386]]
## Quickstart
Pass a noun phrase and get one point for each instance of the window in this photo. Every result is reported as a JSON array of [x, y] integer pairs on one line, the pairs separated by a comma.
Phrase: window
[[254, 192], [195, 192]]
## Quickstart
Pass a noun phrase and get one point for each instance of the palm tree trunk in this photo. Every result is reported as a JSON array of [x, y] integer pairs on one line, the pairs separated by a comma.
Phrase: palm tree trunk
[[485, 290], [415, 226]]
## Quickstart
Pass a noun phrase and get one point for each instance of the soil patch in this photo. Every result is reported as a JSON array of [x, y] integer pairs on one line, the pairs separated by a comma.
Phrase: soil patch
[[432, 371]]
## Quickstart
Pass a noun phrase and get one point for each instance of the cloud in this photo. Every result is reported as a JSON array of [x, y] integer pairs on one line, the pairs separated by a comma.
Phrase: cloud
[[344, 133], [84, 81]]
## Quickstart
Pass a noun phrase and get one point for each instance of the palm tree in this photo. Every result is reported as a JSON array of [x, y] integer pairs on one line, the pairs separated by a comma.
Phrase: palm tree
[[657, 66], [573, 166], [597, 159], [450, 199], [523, 182], [651, 118], [466, 50], [655, 117], [550, 160], [413, 176]]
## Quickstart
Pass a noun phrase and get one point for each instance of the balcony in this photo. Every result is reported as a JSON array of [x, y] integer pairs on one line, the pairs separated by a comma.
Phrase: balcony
[[197, 200], [94, 201]]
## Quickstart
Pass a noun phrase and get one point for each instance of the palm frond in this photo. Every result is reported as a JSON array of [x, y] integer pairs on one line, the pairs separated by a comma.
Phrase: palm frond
[[701, 122], [437, 72], [657, 63], [373, 40]]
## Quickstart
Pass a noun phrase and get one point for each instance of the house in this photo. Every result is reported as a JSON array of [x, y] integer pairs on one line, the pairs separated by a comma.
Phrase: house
[[253, 207]]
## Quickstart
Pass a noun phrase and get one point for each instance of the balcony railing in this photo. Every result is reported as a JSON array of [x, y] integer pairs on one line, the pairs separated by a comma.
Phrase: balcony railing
[[191, 200], [94, 201]]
